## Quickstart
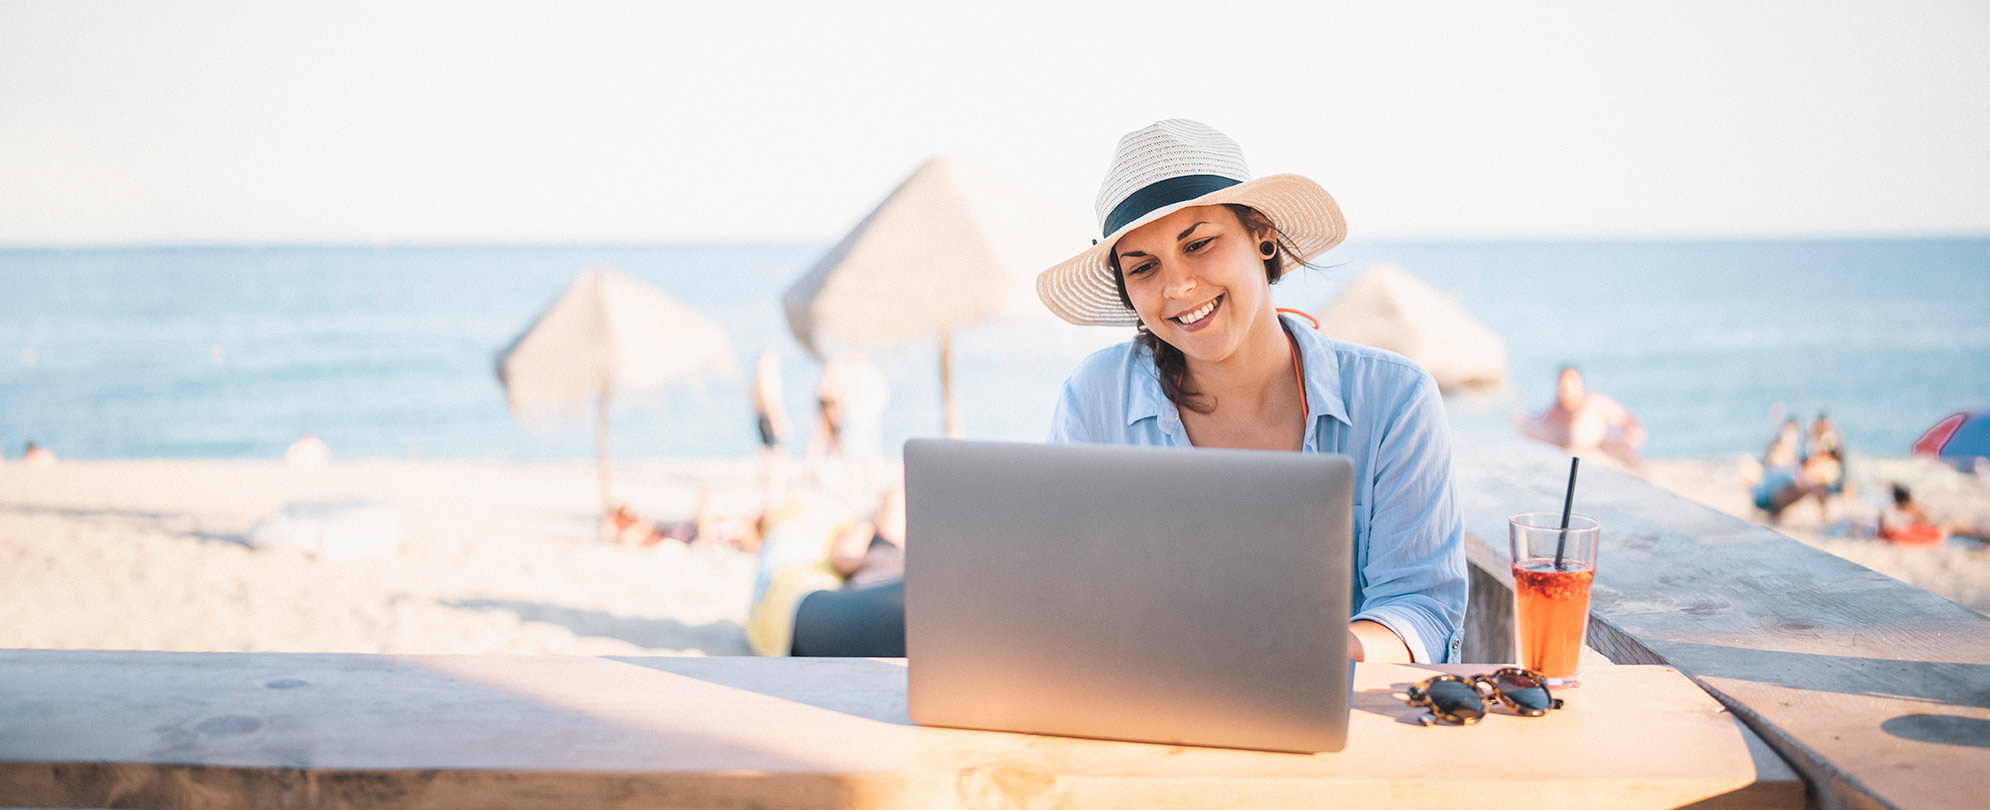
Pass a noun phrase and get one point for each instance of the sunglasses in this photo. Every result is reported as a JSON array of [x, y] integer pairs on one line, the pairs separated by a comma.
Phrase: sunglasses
[[1462, 700]]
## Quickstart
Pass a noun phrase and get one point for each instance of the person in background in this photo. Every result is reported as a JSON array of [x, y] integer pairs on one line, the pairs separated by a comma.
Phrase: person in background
[[1797, 465], [865, 396], [827, 442], [850, 405], [307, 451], [1781, 462], [829, 586], [1785, 452], [708, 525], [1906, 523], [1824, 436], [1587, 424], [1776, 492], [771, 421], [35, 455]]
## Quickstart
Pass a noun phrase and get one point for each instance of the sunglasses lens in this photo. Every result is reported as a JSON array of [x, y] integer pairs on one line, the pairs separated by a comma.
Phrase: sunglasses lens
[[1456, 699], [1524, 691]]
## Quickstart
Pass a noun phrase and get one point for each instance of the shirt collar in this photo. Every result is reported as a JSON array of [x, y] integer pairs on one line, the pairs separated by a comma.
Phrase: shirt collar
[[1323, 388], [1316, 354]]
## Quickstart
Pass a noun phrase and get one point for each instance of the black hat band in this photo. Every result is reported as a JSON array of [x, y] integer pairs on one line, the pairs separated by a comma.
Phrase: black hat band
[[1163, 193]]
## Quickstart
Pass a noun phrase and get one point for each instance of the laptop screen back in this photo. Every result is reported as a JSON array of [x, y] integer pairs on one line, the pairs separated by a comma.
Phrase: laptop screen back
[[1195, 597]]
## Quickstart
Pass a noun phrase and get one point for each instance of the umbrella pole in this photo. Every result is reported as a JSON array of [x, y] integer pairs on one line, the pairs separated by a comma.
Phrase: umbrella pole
[[947, 384], [601, 451]]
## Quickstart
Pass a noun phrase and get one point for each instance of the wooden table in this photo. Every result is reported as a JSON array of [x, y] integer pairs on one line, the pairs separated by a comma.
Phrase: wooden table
[[226, 730]]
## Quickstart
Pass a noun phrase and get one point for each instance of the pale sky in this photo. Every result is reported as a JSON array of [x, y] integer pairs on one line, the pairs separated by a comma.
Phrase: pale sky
[[413, 122]]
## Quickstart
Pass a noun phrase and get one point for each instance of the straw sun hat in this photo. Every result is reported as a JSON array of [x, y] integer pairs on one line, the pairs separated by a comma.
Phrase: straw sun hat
[[1162, 169]]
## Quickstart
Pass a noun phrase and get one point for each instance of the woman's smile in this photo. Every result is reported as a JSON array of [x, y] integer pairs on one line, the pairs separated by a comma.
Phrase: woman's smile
[[1197, 318]]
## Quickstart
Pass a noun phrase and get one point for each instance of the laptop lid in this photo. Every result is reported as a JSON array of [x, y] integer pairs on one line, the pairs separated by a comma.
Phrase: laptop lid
[[1187, 597]]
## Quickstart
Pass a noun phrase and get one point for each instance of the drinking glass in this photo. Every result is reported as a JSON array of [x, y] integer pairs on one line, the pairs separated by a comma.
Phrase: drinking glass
[[1552, 570]]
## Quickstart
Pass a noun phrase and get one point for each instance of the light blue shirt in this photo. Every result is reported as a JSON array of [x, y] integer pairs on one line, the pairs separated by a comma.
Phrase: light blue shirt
[[1375, 407]]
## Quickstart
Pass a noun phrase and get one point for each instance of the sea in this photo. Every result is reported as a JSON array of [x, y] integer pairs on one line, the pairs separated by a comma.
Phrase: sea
[[233, 351]]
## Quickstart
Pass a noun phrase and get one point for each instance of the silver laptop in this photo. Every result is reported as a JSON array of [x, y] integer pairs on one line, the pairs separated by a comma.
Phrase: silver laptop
[[1185, 597]]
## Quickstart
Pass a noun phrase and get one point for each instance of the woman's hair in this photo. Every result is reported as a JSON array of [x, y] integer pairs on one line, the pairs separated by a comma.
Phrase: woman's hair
[[1168, 360]]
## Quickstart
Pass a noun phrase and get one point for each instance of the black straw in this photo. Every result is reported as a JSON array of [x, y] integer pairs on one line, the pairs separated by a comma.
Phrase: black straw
[[1568, 503]]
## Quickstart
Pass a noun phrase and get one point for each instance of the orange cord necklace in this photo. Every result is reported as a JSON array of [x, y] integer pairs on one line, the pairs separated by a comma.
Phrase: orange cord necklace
[[1298, 373]]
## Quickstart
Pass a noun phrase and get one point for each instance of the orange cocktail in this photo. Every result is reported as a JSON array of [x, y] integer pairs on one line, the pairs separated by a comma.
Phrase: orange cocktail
[[1551, 616], [1553, 566]]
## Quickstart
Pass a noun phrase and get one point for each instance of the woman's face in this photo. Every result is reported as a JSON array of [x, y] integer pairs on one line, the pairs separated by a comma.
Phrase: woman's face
[[1196, 279]]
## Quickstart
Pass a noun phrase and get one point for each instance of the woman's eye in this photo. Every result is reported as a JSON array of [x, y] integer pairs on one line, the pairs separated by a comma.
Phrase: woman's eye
[[1198, 244], [1141, 270]]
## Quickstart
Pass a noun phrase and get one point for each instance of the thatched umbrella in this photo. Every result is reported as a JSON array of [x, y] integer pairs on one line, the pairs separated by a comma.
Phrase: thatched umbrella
[[1388, 308], [608, 334], [953, 245]]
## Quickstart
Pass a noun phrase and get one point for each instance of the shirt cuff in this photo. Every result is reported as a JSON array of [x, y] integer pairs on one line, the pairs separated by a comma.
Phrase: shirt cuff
[[1404, 629]]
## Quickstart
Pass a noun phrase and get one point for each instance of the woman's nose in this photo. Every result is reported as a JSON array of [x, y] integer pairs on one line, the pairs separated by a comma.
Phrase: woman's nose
[[1179, 284]]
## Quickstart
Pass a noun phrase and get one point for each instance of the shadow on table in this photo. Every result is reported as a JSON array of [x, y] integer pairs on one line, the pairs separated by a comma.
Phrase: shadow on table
[[714, 638], [866, 688], [1945, 729]]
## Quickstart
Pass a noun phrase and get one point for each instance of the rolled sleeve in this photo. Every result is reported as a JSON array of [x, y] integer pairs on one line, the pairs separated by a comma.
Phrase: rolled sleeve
[[1413, 576]]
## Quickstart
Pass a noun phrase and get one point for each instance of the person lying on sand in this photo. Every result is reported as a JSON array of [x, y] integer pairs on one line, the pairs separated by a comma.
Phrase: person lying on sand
[[706, 526], [1906, 523], [828, 586]]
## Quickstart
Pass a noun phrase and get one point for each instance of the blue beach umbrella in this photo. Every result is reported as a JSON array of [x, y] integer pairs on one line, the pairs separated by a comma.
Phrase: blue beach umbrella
[[1959, 438]]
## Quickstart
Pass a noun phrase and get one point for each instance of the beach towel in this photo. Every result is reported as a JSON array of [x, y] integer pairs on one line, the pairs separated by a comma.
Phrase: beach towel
[[340, 530]]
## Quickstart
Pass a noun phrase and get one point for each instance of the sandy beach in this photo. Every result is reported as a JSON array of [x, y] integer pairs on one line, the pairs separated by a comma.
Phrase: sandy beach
[[1958, 570], [496, 558], [505, 557]]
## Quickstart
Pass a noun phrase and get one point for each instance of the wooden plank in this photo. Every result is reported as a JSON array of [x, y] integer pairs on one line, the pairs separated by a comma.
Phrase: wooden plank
[[224, 730], [1877, 691]]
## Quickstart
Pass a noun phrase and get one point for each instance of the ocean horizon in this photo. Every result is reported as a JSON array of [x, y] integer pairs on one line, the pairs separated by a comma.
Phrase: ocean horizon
[[232, 351]]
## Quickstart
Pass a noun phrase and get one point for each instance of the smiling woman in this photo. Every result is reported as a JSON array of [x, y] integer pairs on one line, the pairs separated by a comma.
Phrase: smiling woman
[[1217, 240], [1191, 247]]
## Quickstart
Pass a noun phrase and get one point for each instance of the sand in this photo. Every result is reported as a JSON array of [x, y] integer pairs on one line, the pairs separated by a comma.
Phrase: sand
[[507, 557], [1958, 570], [497, 558]]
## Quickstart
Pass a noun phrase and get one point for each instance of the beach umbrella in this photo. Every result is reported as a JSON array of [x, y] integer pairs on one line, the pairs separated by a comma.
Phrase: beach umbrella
[[1388, 308], [608, 334], [953, 245], [1959, 438]]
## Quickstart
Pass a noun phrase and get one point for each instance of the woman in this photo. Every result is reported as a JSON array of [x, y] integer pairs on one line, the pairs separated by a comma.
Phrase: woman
[[1191, 247]]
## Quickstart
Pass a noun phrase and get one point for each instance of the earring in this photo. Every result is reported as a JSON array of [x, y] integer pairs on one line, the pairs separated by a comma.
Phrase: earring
[[1267, 248]]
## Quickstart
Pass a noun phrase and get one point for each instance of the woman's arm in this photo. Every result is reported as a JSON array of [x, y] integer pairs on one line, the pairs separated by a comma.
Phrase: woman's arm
[[1413, 570], [1372, 642]]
